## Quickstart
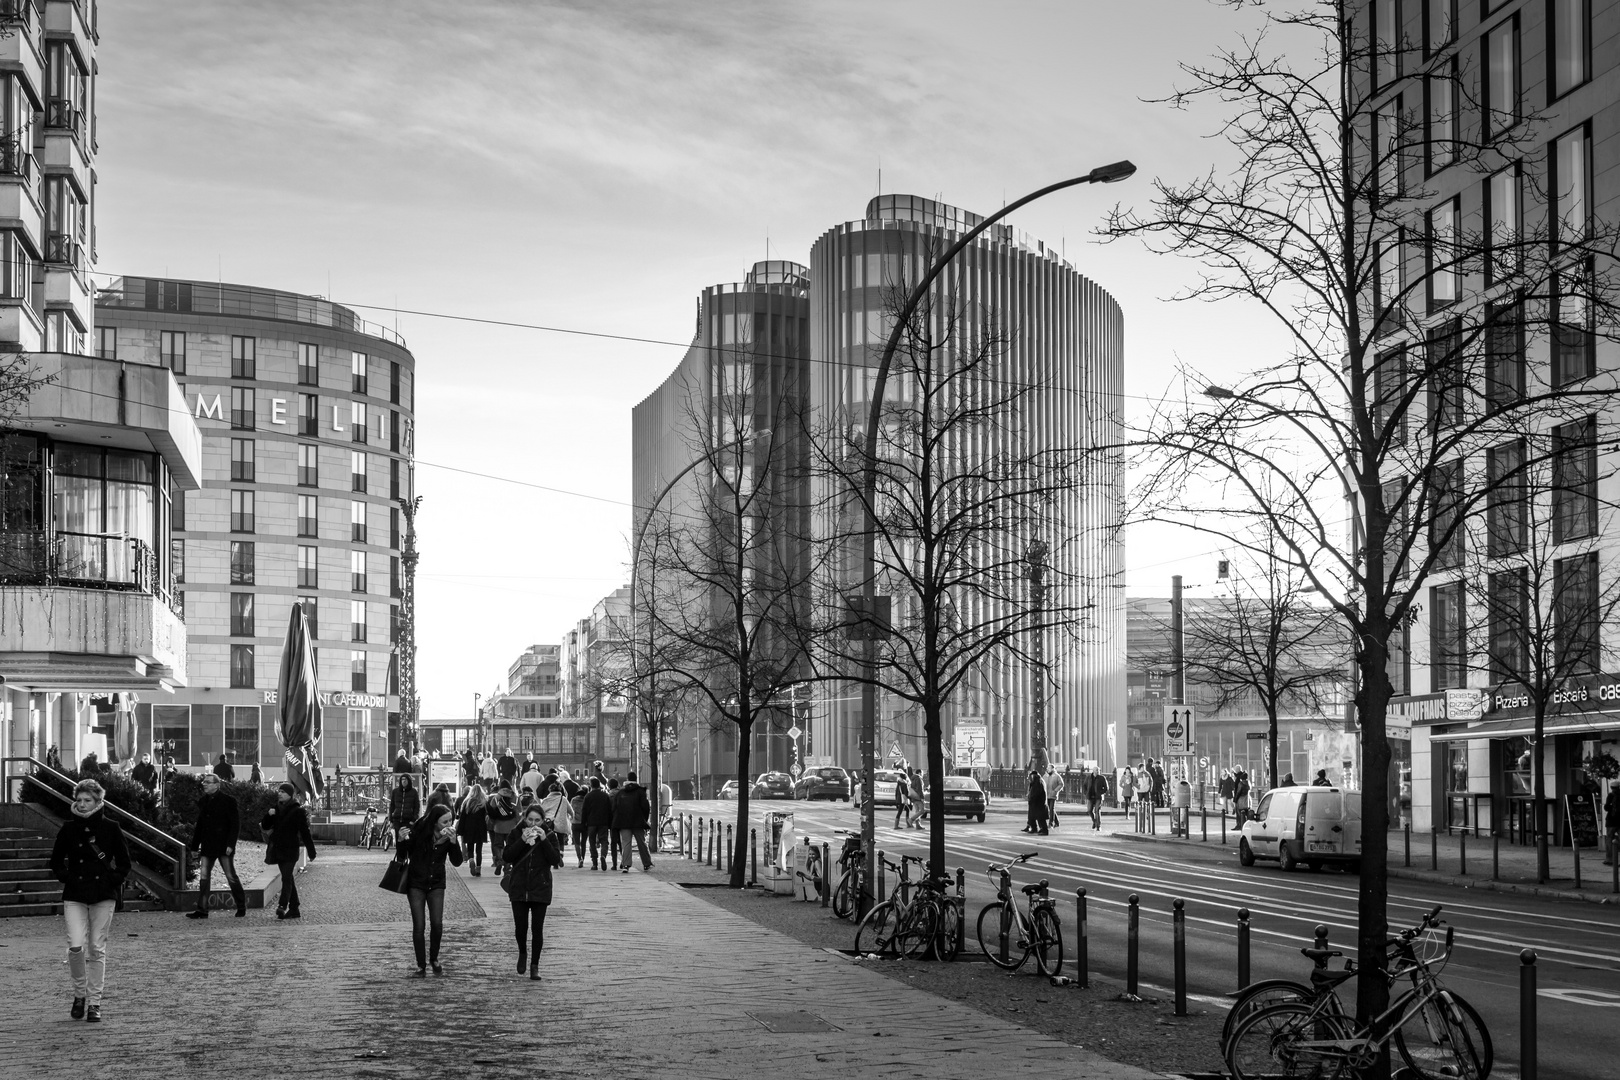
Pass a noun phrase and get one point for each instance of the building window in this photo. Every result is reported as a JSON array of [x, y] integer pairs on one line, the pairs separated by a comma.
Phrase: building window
[[1389, 390], [1387, 26], [357, 571], [393, 624], [357, 521], [1504, 354], [243, 559], [357, 620], [357, 470], [172, 345], [357, 671], [1507, 611], [393, 527], [1503, 93], [242, 734], [1571, 187], [1442, 117], [383, 431], [244, 357], [1574, 336], [106, 340], [1448, 374], [359, 739], [1576, 633], [242, 463], [309, 522], [309, 420], [1574, 480], [311, 614], [393, 577], [241, 667], [242, 511], [393, 478], [171, 724], [1503, 223], [309, 465], [177, 560], [1448, 645], [242, 624], [1445, 525], [1395, 538], [393, 382], [357, 421], [1444, 221], [309, 364], [357, 371], [1390, 141], [1439, 24], [1389, 299], [243, 411], [393, 432], [309, 562], [1570, 36]]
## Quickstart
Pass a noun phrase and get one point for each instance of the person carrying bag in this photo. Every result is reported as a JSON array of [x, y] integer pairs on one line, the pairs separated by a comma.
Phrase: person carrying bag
[[532, 852], [501, 817]]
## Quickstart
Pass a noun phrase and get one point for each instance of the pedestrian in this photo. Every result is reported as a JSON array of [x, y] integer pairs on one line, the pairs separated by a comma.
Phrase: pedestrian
[[613, 834], [1225, 790], [1611, 821], [530, 857], [902, 797], [1240, 793], [631, 815], [1096, 790], [597, 812], [560, 812], [469, 769], [1037, 804], [1054, 791], [439, 796], [1321, 779], [487, 773], [254, 775], [532, 779], [1156, 779], [432, 842], [91, 861], [144, 773], [1127, 787], [222, 768], [53, 757], [404, 805], [472, 826], [286, 831], [501, 816], [576, 815], [1287, 780], [214, 836], [507, 769]]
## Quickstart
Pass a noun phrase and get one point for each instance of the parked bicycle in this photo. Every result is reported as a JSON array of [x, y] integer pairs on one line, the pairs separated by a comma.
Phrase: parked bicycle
[[907, 925], [851, 865], [1437, 1034], [668, 832], [374, 830], [1008, 934]]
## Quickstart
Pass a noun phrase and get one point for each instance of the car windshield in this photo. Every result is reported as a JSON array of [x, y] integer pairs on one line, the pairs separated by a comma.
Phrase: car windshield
[[884, 776], [961, 783]]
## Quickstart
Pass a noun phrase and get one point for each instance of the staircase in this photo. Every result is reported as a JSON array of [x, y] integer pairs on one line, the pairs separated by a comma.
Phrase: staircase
[[26, 884]]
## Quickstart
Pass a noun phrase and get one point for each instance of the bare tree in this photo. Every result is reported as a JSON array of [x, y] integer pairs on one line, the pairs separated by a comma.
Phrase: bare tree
[[1341, 219]]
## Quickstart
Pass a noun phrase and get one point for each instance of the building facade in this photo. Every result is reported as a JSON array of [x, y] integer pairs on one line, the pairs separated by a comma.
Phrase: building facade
[[306, 416], [592, 666]]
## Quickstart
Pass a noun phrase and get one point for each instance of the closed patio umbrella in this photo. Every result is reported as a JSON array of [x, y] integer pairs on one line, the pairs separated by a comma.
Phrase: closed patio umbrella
[[298, 721]]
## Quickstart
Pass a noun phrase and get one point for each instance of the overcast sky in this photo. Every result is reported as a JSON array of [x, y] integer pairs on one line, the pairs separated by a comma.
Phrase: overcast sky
[[592, 166]]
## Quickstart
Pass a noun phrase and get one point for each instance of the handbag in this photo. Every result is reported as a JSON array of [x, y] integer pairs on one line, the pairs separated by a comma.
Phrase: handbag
[[396, 879]]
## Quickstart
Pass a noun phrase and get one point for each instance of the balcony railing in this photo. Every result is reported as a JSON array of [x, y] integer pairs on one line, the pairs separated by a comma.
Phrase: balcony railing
[[62, 250], [62, 115], [16, 11], [85, 560], [16, 159]]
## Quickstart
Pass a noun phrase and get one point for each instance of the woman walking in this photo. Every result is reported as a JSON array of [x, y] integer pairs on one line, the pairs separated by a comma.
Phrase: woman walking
[[286, 831], [469, 769], [560, 812], [531, 853], [91, 860], [1037, 804], [500, 814], [432, 841], [473, 827]]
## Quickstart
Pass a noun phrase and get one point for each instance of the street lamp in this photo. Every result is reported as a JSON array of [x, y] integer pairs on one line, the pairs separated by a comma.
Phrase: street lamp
[[1103, 174]]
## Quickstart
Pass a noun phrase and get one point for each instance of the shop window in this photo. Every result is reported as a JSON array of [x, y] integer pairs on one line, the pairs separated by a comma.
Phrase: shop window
[[242, 734], [359, 738], [1518, 766], [171, 734], [1457, 785]]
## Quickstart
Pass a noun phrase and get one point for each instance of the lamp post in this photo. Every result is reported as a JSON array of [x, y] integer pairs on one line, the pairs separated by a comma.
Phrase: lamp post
[[478, 719], [1103, 174]]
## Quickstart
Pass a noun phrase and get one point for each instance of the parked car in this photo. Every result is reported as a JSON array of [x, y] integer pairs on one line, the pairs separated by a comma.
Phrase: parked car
[[883, 781], [728, 790], [823, 782], [1310, 825], [773, 785], [963, 795]]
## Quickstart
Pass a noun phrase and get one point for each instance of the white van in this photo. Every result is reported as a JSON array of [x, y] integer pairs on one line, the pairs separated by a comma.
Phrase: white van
[[1310, 825]]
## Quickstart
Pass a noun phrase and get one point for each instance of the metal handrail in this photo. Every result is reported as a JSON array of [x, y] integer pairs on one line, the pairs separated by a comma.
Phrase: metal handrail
[[32, 776]]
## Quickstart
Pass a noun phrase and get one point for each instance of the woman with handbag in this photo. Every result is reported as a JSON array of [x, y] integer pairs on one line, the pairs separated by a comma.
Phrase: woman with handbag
[[91, 860], [501, 816], [472, 826], [286, 831], [532, 851], [432, 841]]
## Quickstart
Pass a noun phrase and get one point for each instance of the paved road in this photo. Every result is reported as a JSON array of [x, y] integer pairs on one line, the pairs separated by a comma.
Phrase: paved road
[[1578, 943]]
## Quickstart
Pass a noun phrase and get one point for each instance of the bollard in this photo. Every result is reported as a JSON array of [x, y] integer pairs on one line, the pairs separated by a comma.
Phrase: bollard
[[1614, 863], [961, 901], [1434, 849], [1243, 948], [1082, 959], [729, 853], [826, 874], [1180, 919], [1223, 826], [714, 838], [1203, 818], [1132, 933], [1575, 849], [1321, 936], [1406, 833], [753, 856], [697, 839], [883, 882], [1496, 856], [1527, 1015], [1462, 853]]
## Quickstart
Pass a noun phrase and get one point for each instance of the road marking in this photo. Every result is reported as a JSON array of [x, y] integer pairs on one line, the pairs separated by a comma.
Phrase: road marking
[[1600, 998]]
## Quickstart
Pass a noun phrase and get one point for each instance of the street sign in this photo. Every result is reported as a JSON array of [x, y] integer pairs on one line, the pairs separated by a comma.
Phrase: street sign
[[795, 769], [970, 745], [794, 732], [1179, 728], [1256, 735]]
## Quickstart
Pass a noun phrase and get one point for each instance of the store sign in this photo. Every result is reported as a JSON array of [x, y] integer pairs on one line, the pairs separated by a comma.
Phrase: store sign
[[1465, 705], [1419, 708], [341, 699], [1585, 693]]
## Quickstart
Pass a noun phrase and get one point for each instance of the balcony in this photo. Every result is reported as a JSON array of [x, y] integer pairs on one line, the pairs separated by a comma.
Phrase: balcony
[[85, 560], [66, 638], [19, 45], [65, 21], [65, 153]]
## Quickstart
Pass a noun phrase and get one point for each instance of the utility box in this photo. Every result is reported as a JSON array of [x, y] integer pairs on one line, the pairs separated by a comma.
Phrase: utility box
[[778, 839]]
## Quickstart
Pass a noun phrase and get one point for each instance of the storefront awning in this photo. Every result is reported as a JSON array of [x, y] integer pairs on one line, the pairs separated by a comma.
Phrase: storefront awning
[[1592, 724]]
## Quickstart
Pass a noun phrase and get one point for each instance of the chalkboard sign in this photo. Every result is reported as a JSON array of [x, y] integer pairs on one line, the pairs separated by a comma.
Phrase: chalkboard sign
[[1581, 813]]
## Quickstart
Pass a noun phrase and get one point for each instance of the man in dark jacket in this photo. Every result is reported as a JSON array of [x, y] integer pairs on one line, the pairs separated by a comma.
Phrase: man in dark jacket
[[286, 829], [145, 773], [507, 768], [631, 814], [218, 824], [597, 814], [91, 861], [223, 770], [404, 804], [1096, 789]]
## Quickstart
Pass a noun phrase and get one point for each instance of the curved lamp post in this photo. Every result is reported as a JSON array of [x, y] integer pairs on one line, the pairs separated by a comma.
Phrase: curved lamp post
[[1103, 174]]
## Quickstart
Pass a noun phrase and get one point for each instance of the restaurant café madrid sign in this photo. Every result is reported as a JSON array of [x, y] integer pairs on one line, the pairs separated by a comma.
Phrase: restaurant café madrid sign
[[342, 699]]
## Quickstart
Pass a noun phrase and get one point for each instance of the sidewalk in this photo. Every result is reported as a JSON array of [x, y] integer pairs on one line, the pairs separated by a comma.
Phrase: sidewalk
[[640, 977]]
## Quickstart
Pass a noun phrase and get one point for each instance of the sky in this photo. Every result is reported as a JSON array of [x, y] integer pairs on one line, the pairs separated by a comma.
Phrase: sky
[[592, 166]]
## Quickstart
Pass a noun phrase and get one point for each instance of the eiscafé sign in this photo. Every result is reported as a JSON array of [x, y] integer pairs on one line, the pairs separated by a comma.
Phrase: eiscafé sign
[[1597, 693], [345, 699]]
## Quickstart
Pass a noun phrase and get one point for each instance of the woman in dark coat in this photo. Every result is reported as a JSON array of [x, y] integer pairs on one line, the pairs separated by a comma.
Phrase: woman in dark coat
[[1037, 804], [433, 840], [286, 831], [91, 860], [214, 835], [472, 826], [530, 857]]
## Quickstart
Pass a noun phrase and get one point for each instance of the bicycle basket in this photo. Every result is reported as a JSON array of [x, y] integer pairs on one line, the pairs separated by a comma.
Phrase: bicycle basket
[[1432, 949]]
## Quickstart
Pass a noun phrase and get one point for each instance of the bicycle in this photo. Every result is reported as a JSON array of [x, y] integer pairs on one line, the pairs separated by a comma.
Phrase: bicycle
[[1038, 930], [1319, 1041], [668, 833], [369, 828], [907, 926], [851, 864]]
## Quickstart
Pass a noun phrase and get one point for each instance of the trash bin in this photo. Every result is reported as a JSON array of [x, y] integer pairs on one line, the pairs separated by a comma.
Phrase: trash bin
[[1182, 808]]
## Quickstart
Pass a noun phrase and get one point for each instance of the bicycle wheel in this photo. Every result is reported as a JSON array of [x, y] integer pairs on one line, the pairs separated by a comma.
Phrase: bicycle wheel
[[843, 898], [1279, 1042], [995, 922], [1256, 996], [1449, 1043], [916, 931], [876, 932], [667, 835], [1048, 935], [948, 942]]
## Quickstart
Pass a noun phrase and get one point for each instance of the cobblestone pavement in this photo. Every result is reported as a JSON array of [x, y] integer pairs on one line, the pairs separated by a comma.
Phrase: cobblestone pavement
[[640, 977]]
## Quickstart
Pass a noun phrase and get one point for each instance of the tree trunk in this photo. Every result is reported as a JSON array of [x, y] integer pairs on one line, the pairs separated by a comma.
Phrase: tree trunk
[[652, 777], [1538, 800], [934, 731], [1271, 743], [739, 846], [1372, 701]]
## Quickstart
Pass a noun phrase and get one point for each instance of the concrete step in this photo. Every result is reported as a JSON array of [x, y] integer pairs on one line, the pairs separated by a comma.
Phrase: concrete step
[[18, 911], [9, 875], [34, 865], [31, 896], [30, 843]]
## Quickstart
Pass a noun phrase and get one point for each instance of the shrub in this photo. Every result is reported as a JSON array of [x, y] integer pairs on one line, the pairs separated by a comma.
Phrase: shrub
[[184, 791], [126, 794]]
